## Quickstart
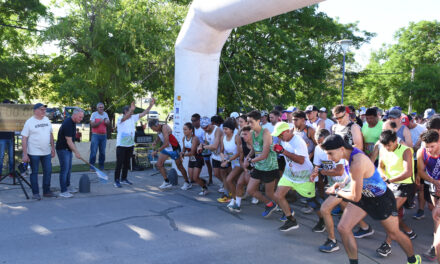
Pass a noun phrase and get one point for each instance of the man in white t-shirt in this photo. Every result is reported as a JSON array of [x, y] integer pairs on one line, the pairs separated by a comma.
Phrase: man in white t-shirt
[[265, 121], [323, 115], [125, 141], [38, 146], [296, 175]]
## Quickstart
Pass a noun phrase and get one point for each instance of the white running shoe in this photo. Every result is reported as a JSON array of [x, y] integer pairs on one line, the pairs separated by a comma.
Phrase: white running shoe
[[221, 190], [165, 185], [307, 210], [231, 203], [204, 192], [255, 200], [66, 195], [186, 186], [72, 189]]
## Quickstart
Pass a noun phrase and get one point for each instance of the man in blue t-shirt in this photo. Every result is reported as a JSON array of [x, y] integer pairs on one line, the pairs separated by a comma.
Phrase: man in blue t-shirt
[[65, 147]]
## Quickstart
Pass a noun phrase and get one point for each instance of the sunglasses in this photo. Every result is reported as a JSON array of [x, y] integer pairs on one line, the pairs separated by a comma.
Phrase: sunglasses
[[339, 117]]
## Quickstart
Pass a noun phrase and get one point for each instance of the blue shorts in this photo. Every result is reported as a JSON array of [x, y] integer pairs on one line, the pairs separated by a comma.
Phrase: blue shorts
[[172, 154]]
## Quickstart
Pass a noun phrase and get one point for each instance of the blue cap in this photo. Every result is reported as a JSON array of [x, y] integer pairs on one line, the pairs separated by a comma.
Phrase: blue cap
[[38, 105], [429, 113], [205, 121]]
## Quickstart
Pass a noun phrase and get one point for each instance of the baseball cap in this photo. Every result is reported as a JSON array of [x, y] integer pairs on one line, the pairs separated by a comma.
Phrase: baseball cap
[[394, 113], [234, 115], [279, 128], [429, 113], [323, 110], [205, 121], [363, 112], [38, 105], [264, 113], [290, 109], [405, 120], [311, 108]]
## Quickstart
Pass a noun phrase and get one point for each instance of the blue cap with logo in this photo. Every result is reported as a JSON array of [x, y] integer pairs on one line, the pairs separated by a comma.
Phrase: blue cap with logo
[[205, 121]]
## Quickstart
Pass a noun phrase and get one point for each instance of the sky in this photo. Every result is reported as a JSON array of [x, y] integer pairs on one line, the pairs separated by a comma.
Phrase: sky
[[383, 17]]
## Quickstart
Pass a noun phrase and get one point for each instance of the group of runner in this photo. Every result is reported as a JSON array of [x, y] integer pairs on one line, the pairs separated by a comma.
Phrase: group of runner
[[370, 167]]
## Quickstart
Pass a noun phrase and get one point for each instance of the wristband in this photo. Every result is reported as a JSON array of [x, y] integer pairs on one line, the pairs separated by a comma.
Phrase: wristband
[[388, 181]]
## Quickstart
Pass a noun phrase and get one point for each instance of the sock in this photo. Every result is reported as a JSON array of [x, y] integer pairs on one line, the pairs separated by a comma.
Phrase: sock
[[412, 259], [366, 228], [409, 232], [332, 240], [290, 217], [166, 180], [269, 204], [238, 200], [353, 261], [187, 182]]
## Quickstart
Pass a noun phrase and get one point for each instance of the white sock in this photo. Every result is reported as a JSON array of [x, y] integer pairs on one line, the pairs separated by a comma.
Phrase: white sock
[[238, 201]]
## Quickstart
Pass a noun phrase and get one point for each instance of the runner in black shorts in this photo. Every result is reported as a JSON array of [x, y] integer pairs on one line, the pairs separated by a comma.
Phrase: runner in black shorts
[[396, 164], [368, 195]]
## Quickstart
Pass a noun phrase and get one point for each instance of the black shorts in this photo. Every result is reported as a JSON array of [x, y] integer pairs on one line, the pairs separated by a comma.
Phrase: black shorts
[[426, 193], [403, 190], [265, 176], [198, 163], [379, 208], [218, 164], [281, 163]]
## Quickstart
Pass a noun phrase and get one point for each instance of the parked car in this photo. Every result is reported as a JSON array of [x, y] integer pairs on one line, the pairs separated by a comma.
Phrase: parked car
[[153, 115], [68, 110], [54, 114]]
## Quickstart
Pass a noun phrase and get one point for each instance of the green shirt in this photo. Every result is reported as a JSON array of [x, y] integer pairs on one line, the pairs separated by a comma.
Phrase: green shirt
[[371, 135], [271, 162], [394, 163]]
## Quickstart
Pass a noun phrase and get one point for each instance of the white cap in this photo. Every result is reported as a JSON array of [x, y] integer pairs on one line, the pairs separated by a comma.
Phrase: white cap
[[234, 115]]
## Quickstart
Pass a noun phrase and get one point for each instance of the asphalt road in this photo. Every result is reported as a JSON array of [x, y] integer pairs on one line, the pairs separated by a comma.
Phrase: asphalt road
[[141, 224]]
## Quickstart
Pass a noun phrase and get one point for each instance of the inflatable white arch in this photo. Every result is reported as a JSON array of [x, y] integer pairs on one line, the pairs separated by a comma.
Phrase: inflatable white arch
[[199, 44]]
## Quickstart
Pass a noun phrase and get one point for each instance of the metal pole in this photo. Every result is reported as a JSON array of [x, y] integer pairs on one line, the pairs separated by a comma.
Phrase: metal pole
[[343, 78], [413, 71]]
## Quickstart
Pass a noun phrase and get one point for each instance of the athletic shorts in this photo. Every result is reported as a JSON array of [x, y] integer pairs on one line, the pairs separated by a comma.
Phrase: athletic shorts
[[379, 208], [426, 193], [305, 189], [402, 190], [281, 163], [218, 164], [172, 154], [206, 157], [197, 163], [265, 176]]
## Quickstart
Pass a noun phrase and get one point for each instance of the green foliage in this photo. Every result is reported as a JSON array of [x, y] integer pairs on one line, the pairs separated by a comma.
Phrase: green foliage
[[418, 47], [17, 27], [287, 60]]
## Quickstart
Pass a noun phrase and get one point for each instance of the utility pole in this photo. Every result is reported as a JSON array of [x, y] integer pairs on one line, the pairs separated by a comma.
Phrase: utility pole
[[413, 70]]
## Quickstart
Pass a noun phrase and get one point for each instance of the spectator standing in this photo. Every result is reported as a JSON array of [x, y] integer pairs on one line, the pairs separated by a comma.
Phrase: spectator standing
[[98, 122], [64, 147], [323, 115], [38, 146]]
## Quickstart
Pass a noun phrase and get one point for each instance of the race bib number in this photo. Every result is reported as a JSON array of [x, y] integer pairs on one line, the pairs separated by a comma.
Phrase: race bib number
[[192, 158], [326, 165], [258, 153]]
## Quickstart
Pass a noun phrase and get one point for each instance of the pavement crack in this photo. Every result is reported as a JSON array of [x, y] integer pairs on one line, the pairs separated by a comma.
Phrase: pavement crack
[[165, 213], [123, 219]]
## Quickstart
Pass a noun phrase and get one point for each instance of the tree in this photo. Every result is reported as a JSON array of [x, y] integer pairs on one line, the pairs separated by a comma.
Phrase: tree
[[386, 81], [17, 27], [289, 59]]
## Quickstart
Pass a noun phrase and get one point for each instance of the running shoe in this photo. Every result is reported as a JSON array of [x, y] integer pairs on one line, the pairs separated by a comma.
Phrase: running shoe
[[117, 184], [418, 260], [307, 210], [329, 246], [72, 189], [419, 215], [234, 208], [36, 197], [186, 186], [204, 192], [412, 235], [319, 227], [430, 254], [337, 211], [165, 185], [254, 200], [127, 182], [360, 233], [283, 218], [289, 225], [303, 200], [221, 190], [232, 202], [66, 194], [384, 250], [269, 210], [224, 199]]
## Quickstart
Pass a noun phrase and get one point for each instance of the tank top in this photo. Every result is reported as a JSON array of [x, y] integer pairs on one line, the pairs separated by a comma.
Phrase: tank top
[[432, 165], [210, 138], [394, 163], [245, 148], [313, 124], [169, 147], [399, 133], [230, 148], [373, 186], [187, 146], [271, 162], [344, 132], [309, 142]]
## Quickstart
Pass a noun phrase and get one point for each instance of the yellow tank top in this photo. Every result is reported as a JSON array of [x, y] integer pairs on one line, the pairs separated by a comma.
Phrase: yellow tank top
[[394, 163]]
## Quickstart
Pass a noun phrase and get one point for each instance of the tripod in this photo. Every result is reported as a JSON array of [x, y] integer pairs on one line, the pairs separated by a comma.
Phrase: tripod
[[16, 174]]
